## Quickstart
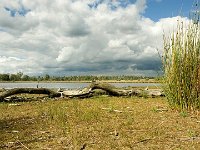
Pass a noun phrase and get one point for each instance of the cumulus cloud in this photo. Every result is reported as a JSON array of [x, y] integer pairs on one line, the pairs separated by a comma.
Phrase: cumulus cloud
[[80, 37]]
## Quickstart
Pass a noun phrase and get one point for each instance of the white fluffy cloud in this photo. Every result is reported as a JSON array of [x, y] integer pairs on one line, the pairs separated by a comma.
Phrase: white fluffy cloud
[[71, 37]]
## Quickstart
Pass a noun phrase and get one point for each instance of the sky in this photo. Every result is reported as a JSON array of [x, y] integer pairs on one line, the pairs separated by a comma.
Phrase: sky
[[86, 37]]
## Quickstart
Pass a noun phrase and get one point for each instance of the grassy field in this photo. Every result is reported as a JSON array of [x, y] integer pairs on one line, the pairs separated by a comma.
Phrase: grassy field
[[97, 123]]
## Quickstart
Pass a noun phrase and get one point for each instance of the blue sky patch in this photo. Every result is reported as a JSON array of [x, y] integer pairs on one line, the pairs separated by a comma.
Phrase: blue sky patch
[[112, 3], [22, 11], [157, 9], [95, 4]]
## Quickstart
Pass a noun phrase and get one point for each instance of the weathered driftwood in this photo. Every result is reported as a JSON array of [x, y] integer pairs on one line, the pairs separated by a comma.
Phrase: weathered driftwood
[[29, 91], [84, 93], [112, 90]]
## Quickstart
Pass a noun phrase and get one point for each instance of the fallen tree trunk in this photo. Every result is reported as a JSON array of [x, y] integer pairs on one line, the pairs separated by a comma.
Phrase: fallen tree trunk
[[84, 93], [113, 91], [29, 91]]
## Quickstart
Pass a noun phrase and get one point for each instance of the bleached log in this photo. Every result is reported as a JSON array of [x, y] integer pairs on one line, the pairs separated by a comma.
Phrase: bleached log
[[84, 93], [29, 91]]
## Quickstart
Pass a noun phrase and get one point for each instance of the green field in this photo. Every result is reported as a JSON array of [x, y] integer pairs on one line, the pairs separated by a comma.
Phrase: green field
[[97, 123]]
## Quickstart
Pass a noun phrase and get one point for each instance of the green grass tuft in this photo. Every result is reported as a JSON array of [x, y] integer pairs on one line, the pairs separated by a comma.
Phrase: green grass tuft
[[181, 62]]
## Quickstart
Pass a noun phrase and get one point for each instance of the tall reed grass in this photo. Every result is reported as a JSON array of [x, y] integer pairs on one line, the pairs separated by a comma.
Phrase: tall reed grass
[[181, 65]]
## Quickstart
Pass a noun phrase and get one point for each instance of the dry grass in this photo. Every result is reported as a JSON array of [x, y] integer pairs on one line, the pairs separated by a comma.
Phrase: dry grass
[[97, 123]]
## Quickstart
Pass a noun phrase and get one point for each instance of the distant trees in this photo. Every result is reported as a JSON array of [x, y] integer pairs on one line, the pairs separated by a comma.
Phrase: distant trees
[[25, 78], [22, 77], [15, 77], [46, 77], [4, 77]]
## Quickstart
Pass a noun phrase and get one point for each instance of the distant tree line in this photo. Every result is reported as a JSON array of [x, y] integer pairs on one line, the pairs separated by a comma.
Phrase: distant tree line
[[22, 77]]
